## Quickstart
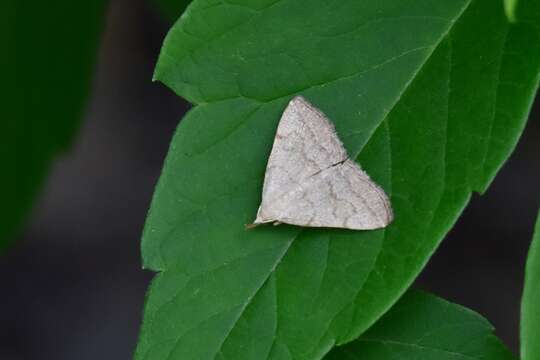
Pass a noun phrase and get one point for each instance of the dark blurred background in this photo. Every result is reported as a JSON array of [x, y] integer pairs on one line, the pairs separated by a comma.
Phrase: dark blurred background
[[72, 284]]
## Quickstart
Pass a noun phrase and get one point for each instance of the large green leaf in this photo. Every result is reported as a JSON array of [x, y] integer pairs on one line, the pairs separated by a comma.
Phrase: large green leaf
[[423, 327], [530, 307], [431, 96], [49, 48]]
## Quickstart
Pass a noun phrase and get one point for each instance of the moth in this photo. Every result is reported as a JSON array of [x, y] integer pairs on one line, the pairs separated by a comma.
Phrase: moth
[[311, 181]]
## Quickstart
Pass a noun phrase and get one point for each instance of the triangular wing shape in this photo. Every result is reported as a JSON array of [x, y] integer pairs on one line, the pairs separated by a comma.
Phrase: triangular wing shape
[[310, 181]]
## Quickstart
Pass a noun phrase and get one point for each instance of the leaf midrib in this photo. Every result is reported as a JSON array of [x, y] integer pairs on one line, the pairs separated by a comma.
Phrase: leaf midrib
[[250, 299]]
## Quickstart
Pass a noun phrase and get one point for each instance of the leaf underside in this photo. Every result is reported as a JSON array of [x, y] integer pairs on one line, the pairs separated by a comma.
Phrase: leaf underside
[[49, 48], [423, 327], [530, 309], [429, 96]]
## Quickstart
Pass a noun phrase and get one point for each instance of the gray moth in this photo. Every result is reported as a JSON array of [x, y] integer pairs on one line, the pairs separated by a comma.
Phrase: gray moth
[[310, 180]]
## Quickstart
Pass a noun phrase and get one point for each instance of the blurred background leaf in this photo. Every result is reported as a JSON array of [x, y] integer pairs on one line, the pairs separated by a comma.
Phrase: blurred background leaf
[[49, 50], [170, 9], [530, 308], [421, 326]]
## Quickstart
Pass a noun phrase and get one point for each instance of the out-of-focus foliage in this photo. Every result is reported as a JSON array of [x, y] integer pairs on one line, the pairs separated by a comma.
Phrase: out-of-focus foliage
[[171, 9], [530, 307], [48, 52]]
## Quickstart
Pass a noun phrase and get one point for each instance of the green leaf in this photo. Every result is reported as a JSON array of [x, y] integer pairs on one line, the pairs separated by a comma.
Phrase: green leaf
[[171, 9], [430, 96], [424, 327], [530, 308], [49, 48]]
